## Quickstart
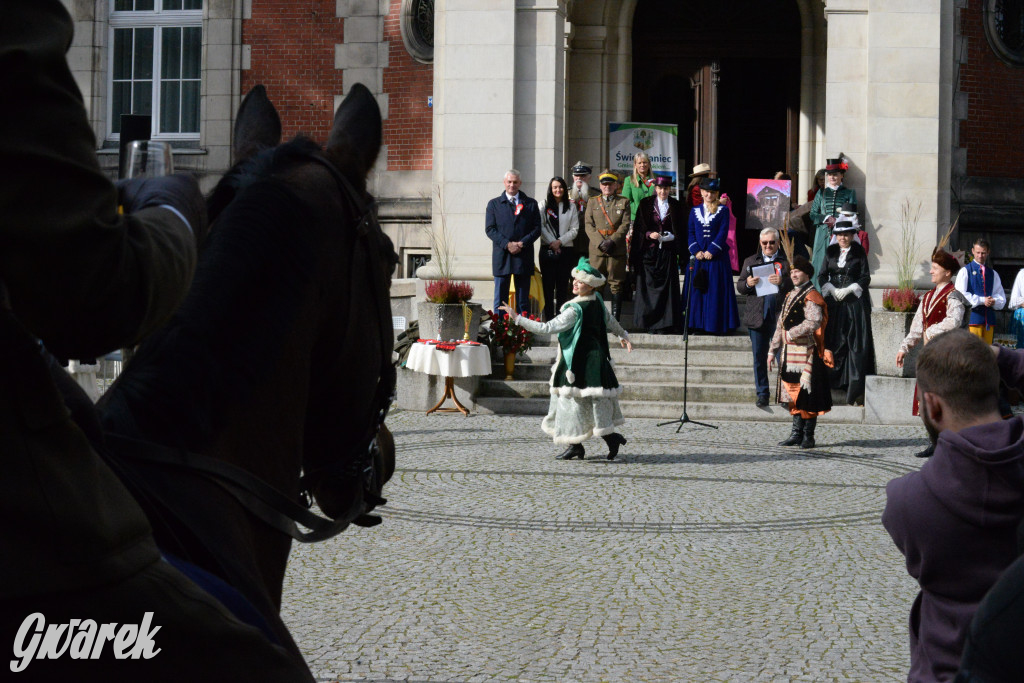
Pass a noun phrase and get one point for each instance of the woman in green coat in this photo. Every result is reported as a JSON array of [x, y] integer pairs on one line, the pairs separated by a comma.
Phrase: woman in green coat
[[826, 207], [640, 184], [583, 387]]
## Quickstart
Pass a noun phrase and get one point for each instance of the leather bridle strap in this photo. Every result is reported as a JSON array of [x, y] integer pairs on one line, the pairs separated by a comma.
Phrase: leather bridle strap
[[255, 495]]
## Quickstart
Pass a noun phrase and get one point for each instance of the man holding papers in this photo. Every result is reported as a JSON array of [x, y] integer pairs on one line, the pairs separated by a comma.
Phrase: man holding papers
[[764, 280]]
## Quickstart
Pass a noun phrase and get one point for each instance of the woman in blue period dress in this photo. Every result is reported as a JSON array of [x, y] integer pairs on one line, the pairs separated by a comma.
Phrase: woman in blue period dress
[[583, 387], [712, 308]]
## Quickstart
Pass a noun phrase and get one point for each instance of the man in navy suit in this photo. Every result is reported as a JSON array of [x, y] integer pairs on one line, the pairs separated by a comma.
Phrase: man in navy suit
[[513, 224]]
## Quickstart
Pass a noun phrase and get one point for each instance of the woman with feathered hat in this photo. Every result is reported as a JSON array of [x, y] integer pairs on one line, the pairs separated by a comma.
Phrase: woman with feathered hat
[[803, 365], [826, 207], [941, 310], [583, 387]]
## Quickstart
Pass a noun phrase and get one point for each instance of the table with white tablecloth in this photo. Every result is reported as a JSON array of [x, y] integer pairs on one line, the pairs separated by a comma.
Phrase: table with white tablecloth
[[465, 360]]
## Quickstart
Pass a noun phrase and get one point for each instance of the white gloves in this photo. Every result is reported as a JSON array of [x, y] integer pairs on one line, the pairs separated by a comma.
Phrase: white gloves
[[843, 292], [666, 237], [827, 289]]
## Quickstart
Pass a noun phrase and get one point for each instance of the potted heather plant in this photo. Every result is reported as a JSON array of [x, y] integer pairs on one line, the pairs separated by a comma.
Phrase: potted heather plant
[[442, 316]]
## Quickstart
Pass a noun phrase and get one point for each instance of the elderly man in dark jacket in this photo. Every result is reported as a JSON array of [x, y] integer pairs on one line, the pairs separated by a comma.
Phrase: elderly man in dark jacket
[[956, 519], [80, 278], [513, 224], [762, 312]]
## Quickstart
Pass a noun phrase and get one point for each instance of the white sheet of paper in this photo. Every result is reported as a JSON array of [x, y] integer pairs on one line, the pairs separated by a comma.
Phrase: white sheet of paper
[[764, 271]]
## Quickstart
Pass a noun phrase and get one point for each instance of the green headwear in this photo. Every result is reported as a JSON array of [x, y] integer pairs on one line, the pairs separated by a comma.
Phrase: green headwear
[[587, 274]]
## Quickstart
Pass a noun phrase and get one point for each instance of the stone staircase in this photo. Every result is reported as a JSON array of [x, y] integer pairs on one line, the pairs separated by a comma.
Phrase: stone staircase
[[720, 381]]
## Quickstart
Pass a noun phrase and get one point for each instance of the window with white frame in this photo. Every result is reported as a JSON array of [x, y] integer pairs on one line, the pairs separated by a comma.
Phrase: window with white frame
[[155, 65]]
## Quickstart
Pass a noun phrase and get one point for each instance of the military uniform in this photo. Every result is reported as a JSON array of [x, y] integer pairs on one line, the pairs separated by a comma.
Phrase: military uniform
[[612, 265]]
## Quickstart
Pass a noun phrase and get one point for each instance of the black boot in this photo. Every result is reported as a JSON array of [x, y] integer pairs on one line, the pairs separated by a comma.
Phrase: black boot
[[797, 434], [926, 453], [616, 306], [614, 440], [809, 426], [574, 451]]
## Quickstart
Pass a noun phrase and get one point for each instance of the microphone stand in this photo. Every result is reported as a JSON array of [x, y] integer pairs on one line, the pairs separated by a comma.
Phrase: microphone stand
[[687, 296]]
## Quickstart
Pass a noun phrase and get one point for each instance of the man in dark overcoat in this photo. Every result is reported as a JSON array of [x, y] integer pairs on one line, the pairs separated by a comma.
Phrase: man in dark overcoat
[[513, 225], [761, 313], [79, 278]]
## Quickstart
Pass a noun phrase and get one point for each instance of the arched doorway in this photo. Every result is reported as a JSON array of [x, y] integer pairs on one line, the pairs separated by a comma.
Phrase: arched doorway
[[728, 74]]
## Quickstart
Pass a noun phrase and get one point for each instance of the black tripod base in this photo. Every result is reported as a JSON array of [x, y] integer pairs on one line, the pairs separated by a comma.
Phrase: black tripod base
[[685, 419]]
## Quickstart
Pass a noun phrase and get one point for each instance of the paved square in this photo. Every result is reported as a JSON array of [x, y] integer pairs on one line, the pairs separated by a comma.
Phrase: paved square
[[708, 555]]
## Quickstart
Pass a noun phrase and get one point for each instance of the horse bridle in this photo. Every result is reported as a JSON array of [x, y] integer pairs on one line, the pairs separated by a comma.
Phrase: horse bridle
[[261, 499], [384, 395]]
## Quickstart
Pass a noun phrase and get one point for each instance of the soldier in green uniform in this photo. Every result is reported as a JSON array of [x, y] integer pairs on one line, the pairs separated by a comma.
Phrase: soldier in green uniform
[[584, 389], [826, 206], [607, 223]]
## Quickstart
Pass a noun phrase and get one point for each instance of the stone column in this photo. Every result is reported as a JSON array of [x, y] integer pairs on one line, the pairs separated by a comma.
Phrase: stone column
[[539, 93], [889, 108], [498, 104]]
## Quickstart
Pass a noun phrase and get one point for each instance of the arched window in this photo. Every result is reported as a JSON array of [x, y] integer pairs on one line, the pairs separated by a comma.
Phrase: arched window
[[417, 24], [1004, 28]]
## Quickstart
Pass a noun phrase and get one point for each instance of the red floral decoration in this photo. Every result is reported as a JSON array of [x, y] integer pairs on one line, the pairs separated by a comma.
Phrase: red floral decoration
[[504, 334], [900, 300], [448, 291]]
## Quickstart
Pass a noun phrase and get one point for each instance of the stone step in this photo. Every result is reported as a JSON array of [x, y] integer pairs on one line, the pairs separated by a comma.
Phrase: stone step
[[725, 358], [628, 373], [670, 410], [649, 391], [730, 342]]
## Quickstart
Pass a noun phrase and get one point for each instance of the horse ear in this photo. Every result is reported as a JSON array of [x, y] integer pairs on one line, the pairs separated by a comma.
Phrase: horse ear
[[357, 127], [257, 126]]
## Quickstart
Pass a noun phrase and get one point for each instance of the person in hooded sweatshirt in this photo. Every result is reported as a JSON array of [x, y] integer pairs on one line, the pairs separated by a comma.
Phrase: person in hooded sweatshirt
[[956, 519]]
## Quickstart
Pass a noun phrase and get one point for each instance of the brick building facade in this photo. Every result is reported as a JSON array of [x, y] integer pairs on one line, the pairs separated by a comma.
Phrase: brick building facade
[[923, 102]]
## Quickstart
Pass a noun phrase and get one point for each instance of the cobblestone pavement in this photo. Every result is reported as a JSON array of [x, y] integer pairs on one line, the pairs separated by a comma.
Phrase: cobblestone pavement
[[707, 555]]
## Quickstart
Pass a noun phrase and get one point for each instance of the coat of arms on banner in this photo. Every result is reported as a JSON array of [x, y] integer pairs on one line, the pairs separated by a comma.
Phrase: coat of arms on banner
[[643, 139]]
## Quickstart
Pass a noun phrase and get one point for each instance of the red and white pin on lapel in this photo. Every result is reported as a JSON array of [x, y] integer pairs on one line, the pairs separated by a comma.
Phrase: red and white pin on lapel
[[519, 207]]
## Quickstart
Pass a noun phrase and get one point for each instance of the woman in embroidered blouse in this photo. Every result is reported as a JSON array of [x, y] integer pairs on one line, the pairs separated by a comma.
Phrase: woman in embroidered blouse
[[941, 310], [583, 387], [559, 225], [712, 308], [844, 283], [653, 258]]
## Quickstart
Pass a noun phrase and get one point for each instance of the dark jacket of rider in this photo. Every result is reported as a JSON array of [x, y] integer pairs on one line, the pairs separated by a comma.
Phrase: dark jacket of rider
[[80, 279]]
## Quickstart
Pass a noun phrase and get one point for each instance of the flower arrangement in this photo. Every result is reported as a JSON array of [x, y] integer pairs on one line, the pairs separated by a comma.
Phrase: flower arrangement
[[445, 291], [900, 300], [903, 299], [504, 334]]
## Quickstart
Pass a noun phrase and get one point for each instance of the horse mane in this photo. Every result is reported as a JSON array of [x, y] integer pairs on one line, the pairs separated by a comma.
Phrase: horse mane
[[254, 273]]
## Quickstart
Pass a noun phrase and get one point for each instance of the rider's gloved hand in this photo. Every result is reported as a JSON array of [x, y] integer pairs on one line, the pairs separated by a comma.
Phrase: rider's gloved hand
[[180, 191]]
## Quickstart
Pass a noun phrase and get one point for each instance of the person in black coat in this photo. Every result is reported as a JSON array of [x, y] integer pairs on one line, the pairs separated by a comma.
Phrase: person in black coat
[[844, 281], [513, 225], [80, 278], [657, 235], [761, 313]]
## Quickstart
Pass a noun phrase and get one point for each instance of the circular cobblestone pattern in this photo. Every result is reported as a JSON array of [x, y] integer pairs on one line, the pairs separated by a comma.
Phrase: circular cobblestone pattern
[[703, 555]]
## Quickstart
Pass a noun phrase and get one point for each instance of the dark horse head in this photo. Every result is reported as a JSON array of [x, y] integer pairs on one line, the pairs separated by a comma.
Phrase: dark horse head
[[279, 359]]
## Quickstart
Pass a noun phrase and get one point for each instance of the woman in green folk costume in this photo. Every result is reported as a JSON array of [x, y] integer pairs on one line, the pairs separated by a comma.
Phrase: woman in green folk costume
[[826, 207], [584, 390]]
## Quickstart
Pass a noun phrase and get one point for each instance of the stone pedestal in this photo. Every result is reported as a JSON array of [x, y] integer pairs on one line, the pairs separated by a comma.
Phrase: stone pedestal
[[888, 330], [889, 401]]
